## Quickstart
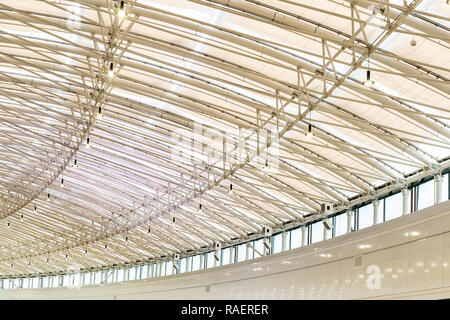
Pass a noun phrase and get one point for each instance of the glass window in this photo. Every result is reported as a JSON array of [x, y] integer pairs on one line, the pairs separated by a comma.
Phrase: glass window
[[86, 279], [316, 232], [132, 274], [250, 250], [183, 265], [233, 254], [196, 263], [242, 251], [296, 238], [54, 281], [33, 283], [365, 216], [66, 280], [151, 270], [340, 224], [169, 268], [210, 259], [76, 279], [44, 282], [287, 240], [98, 277], [83, 278], [393, 206], [120, 274], [139, 272], [426, 194], [202, 261], [277, 243], [259, 246], [225, 256]]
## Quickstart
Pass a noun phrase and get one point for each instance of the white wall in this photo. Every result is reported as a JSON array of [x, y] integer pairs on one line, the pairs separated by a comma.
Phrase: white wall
[[413, 253]]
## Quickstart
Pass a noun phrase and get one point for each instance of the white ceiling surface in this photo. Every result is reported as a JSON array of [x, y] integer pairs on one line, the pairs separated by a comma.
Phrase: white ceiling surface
[[180, 63]]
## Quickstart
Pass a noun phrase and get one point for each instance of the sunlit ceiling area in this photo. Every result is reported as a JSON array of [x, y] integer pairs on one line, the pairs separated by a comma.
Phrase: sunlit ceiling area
[[133, 130]]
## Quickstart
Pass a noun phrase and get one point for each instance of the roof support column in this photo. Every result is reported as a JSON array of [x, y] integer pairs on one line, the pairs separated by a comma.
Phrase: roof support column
[[376, 206], [405, 195], [438, 179], [304, 236], [349, 221]]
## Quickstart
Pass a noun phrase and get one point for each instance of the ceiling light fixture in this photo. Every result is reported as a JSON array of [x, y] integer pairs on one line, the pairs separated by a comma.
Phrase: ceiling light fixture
[[99, 114], [368, 82], [88, 143], [111, 72], [75, 164], [230, 191], [35, 209], [121, 10], [266, 165], [309, 134], [48, 196], [62, 183], [200, 208]]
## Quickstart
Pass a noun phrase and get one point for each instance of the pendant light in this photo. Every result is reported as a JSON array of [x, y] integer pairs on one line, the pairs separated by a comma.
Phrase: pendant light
[[111, 72], [121, 10], [309, 134], [368, 82]]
